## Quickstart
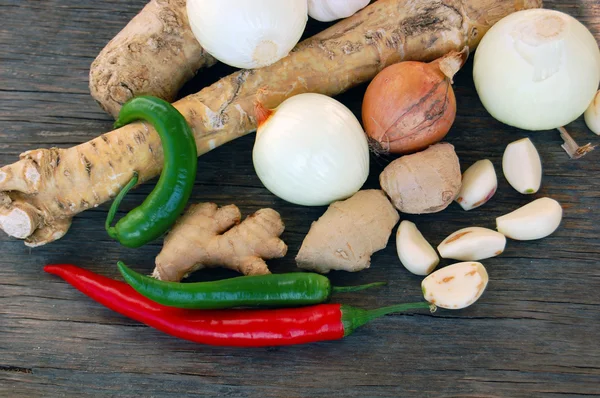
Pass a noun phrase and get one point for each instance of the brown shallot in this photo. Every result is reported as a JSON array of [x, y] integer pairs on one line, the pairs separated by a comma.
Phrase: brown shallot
[[411, 105]]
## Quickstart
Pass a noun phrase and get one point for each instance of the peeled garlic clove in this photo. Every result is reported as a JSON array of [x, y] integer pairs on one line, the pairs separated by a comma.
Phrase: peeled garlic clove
[[535, 220], [522, 166], [472, 244], [415, 253], [479, 184], [592, 115], [455, 286]]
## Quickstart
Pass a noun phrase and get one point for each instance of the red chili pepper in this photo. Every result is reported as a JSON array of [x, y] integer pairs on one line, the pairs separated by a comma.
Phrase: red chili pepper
[[241, 328]]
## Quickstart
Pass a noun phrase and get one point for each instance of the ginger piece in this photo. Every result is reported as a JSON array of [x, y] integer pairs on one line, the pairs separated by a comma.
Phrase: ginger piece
[[349, 232], [155, 54], [57, 184], [425, 182], [207, 236]]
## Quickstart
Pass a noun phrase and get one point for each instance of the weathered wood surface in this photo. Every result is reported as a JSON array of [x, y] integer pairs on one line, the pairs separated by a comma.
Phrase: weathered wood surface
[[534, 331]]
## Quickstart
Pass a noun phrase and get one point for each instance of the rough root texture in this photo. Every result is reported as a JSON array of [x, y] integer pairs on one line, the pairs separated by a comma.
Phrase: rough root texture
[[155, 54], [426, 182], [59, 183], [207, 236], [349, 232]]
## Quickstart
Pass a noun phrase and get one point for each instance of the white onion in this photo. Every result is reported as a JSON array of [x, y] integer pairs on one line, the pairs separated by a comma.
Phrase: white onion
[[537, 69], [311, 151], [248, 34], [330, 10]]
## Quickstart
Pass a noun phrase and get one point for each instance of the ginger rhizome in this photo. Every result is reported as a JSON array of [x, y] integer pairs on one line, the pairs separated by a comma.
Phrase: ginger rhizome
[[349, 232], [425, 182], [42, 192], [207, 236]]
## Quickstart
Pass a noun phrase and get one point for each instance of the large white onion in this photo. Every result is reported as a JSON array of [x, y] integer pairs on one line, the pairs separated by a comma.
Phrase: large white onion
[[311, 151], [248, 33], [537, 69]]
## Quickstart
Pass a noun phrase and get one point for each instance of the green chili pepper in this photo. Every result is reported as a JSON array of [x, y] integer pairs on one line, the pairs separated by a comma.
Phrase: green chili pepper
[[168, 199], [273, 290]]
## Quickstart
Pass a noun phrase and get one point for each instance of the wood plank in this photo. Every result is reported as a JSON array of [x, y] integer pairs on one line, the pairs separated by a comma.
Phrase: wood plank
[[533, 332]]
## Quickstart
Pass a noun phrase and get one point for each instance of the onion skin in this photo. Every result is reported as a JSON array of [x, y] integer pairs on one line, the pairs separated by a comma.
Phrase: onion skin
[[411, 105]]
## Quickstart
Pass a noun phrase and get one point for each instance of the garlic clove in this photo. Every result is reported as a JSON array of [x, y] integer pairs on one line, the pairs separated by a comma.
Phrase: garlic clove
[[592, 115], [535, 220], [415, 253], [472, 244], [330, 10], [522, 166], [479, 184], [455, 286]]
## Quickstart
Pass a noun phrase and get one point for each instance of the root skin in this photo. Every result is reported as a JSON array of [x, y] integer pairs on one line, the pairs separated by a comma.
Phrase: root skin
[[349, 232], [207, 236], [155, 54], [425, 182], [60, 183]]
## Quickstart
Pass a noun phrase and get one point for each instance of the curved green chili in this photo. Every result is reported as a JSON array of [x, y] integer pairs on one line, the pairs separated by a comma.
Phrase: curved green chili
[[273, 290], [167, 201]]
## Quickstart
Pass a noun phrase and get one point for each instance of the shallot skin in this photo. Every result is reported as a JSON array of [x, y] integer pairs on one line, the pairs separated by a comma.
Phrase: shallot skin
[[408, 107]]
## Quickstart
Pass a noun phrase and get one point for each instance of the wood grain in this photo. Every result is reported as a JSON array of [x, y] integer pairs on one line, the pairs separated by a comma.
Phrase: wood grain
[[533, 333]]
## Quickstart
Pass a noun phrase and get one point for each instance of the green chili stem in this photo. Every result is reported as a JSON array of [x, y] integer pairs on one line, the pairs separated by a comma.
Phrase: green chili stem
[[347, 289], [354, 318], [112, 231]]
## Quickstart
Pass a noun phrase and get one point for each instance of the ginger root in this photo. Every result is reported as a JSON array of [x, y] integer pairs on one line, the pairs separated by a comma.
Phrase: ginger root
[[207, 236], [56, 184], [425, 182], [349, 232], [155, 54]]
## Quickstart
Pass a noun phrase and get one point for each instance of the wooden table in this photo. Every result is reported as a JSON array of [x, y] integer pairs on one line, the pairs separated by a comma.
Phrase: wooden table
[[534, 331]]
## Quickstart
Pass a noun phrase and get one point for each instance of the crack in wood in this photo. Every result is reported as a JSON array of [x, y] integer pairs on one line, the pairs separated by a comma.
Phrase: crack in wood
[[17, 369]]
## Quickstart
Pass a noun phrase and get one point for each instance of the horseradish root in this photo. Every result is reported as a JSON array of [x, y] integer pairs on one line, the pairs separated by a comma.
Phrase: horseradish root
[[425, 182], [522, 166], [535, 220], [472, 244], [415, 253], [155, 54], [56, 184], [207, 236], [349, 232], [479, 184], [456, 286]]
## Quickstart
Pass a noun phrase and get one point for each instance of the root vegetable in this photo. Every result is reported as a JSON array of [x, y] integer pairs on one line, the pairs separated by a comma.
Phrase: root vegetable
[[54, 184], [456, 286], [425, 182], [415, 253], [207, 236], [592, 115], [411, 105], [155, 54], [522, 166], [349, 232], [535, 220], [479, 184], [472, 244]]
